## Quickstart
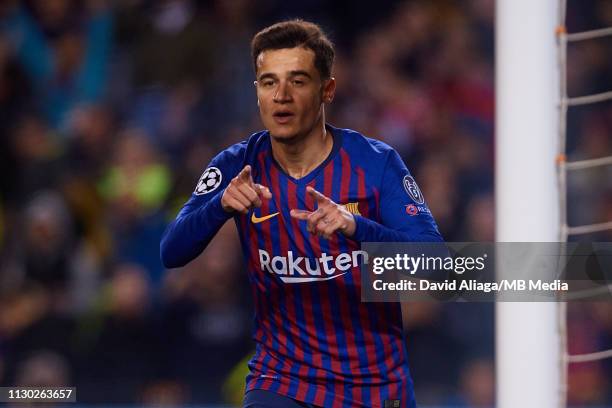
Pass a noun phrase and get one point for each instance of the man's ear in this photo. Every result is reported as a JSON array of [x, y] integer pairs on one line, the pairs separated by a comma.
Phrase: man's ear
[[255, 84], [329, 90]]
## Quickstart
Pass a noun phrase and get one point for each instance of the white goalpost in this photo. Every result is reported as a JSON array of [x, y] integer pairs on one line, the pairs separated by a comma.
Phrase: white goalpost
[[529, 365]]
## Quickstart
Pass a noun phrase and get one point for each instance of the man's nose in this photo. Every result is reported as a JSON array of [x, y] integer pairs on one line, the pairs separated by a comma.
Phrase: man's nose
[[282, 93]]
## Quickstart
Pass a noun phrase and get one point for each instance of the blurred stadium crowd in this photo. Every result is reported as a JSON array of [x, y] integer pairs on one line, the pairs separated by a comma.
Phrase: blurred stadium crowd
[[109, 112]]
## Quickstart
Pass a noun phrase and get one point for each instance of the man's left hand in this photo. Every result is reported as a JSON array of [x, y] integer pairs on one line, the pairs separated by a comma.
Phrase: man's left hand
[[328, 218]]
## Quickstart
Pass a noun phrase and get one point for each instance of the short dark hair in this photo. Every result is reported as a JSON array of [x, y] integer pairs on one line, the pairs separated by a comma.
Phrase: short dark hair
[[292, 34]]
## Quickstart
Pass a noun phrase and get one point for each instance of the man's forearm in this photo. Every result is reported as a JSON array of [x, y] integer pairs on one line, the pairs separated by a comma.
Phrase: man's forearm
[[188, 235], [370, 231]]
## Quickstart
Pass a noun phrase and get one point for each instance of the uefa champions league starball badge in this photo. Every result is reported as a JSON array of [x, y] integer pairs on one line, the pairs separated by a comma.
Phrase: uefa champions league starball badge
[[210, 180], [413, 190]]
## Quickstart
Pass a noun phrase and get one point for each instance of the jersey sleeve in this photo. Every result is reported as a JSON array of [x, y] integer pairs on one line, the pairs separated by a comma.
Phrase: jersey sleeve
[[404, 214], [202, 215]]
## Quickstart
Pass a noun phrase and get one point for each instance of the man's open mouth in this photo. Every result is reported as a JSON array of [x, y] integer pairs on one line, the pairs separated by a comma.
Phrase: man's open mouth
[[282, 116]]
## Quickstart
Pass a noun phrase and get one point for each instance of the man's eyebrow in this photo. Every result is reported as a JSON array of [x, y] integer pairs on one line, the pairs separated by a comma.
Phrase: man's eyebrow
[[299, 72], [266, 75], [292, 74]]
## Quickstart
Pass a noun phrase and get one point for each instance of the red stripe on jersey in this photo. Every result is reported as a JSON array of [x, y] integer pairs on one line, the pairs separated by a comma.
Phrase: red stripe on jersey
[[361, 191], [272, 301], [345, 183], [328, 177], [328, 327], [252, 237], [346, 175], [398, 338], [320, 398], [307, 306], [284, 247], [307, 303], [330, 331], [386, 338], [337, 403], [266, 330], [266, 306], [377, 204]]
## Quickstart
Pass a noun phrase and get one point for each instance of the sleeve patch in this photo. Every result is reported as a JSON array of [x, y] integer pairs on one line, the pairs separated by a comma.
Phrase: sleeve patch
[[210, 180], [413, 190]]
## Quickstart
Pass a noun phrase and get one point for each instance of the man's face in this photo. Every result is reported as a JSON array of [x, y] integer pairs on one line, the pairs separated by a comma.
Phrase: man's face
[[290, 92]]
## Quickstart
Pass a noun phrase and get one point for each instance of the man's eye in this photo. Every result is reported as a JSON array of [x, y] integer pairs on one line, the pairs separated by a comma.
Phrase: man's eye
[[267, 84], [298, 82]]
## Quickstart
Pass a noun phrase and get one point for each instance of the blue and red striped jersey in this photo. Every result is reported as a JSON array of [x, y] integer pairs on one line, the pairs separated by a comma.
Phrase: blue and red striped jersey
[[315, 340]]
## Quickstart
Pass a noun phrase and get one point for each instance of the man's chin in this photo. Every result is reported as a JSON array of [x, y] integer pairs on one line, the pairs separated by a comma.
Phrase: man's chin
[[284, 137]]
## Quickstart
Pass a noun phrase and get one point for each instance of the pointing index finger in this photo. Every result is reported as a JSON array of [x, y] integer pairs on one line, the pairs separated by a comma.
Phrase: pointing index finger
[[300, 214], [316, 195], [245, 174]]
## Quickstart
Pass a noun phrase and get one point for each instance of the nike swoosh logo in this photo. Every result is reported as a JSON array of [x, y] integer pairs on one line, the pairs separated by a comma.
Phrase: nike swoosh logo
[[257, 220]]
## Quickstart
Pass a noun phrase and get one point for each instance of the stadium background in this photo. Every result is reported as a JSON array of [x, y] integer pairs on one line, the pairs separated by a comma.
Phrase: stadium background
[[109, 112]]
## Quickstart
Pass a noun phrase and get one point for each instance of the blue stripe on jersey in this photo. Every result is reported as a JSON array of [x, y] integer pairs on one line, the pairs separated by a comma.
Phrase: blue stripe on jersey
[[313, 297], [302, 301], [336, 295], [281, 330], [266, 311], [343, 179], [290, 301], [259, 382], [258, 330], [356, 285], [256, 272]]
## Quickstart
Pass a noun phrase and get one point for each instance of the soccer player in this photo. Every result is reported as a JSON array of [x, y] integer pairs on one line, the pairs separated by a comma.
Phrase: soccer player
[[304, 195]]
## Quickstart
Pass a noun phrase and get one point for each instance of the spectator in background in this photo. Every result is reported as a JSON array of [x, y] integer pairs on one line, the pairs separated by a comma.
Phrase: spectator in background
[[233, 105], [120, 354], [91, 132], [46, 251], [43, 369], [48, 241], [589, 186], [37, 156], [589, 326], [32, 321], [170, 103], [14, 100], [172, 30], [64, 48], [92, 135], [135, 185]]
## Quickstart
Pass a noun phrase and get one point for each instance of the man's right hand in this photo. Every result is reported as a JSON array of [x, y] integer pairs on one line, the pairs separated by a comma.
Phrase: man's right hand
[[243, 194]]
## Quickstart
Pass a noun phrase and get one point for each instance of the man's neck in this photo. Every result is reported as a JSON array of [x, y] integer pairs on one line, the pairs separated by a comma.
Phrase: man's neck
[[303, 156]]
